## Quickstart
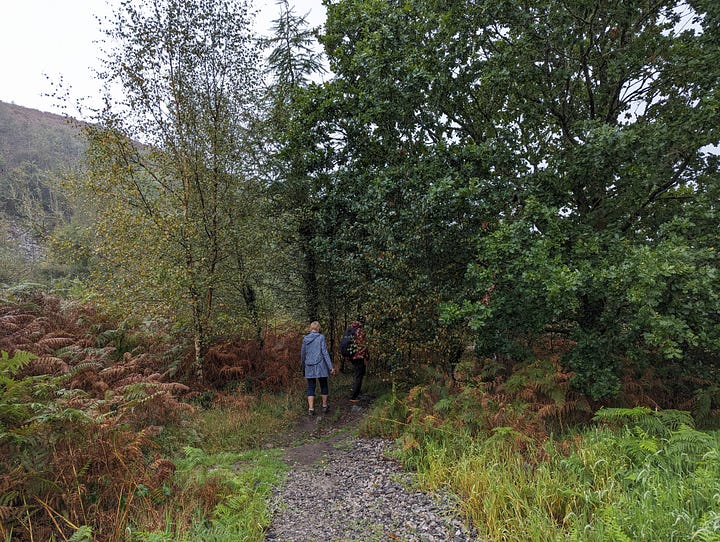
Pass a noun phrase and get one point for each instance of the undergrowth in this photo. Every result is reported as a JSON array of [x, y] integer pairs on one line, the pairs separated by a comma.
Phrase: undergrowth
[[632, 474], [218, 497], [99, 442], [222, 485]]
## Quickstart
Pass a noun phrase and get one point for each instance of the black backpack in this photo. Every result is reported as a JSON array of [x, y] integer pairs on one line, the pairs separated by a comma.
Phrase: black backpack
[[347, 342]]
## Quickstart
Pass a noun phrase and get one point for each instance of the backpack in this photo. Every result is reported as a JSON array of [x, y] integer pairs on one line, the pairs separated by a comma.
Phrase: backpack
[[347, 342]]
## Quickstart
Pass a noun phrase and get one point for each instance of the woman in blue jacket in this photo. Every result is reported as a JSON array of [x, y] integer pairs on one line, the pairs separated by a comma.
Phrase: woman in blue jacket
[[317, 365]]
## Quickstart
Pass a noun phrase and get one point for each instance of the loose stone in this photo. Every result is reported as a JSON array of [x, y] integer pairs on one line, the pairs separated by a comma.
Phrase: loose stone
[[357, 494]]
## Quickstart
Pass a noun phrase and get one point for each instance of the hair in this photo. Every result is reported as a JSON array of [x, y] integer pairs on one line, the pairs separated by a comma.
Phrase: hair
[[315, 326]]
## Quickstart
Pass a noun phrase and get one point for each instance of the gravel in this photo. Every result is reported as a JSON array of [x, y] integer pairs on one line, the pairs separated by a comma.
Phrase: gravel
[[353, 491]]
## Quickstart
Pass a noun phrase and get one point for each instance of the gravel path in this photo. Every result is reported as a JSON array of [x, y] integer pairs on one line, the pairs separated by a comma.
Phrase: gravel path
[[342, 488]]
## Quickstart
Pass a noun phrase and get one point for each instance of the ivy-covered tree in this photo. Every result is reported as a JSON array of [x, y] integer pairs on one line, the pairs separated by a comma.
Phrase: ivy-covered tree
[[181, 226]]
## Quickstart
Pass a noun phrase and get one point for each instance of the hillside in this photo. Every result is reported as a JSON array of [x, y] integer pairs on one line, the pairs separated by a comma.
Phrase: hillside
[[45, 140], [35, 147]]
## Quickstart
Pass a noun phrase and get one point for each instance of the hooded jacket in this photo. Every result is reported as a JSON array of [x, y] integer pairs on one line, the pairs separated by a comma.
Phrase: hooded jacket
[[314, 356]]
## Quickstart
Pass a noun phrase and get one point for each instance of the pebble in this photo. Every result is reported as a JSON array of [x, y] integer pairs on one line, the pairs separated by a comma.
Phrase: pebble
[[356, 493]]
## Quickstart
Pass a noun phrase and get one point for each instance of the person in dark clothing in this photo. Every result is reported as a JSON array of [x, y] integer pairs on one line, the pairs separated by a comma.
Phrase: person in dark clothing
[[358, 358]]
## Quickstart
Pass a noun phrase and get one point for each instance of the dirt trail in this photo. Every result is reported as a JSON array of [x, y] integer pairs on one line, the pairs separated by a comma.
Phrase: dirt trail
[[306, 442]]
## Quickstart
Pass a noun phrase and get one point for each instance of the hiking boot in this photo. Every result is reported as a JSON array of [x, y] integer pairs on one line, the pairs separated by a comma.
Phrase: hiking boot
[[311, 412], [325, 409]]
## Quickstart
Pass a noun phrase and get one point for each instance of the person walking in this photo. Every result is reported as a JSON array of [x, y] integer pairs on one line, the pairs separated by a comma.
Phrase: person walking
[[358, 358], [317, 366]]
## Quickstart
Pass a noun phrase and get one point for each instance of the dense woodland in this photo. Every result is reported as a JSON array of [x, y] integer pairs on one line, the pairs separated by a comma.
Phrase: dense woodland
[[521, 198]]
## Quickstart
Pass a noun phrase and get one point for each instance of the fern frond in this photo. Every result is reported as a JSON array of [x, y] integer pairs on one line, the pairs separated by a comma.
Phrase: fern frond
[[622, 415], [613, 530], [675, 419], [72, 353], [44, 365], [12, 365], [163, 469], [705, 405], [174, 387], [85, 366], [113, 372], [83, 534], [687, 441], [102, 355], [50, 344]]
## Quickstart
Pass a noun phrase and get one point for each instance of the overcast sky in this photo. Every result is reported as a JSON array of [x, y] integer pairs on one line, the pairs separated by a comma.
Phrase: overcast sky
[[41, 39]]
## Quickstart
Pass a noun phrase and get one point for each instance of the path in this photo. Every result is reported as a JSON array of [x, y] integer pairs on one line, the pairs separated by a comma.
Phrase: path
[[342, 488]]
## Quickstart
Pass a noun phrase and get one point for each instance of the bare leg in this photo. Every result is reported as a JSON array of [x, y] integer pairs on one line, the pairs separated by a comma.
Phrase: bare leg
[[324, 400], [311, 402]]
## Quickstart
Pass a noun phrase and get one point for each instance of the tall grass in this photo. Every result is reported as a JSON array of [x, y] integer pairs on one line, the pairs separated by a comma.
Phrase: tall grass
[[222, 485], [219, 497], [643, 477]]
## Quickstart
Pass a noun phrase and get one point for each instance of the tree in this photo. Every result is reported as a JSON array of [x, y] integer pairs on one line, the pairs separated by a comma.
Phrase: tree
[[179, 209], [543, 165], [294, 59]]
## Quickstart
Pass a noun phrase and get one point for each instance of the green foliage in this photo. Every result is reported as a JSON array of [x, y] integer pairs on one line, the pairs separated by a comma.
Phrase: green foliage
[[17, 403], [35, 148], [221, 493], [388, 417], [647, 476], [527, 168], [180, 224], [245, 423], [83, 534], [657, 422], [706, 406], [293, 56]]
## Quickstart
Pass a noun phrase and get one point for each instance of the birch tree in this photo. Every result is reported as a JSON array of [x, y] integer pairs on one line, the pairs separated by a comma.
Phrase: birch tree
[[169, 169]]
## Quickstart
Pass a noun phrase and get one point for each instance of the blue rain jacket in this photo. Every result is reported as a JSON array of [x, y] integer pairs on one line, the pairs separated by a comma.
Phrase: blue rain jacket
[[314, 356]]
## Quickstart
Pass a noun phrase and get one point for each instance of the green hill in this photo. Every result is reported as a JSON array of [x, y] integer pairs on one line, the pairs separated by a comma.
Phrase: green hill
[[35, 149]]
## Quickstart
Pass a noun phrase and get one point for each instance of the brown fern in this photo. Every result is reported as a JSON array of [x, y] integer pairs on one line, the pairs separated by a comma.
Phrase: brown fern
[[44, 365]]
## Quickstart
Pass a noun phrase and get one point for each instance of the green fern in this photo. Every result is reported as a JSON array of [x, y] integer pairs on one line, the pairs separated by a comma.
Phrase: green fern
[[10, 366], [17, 396], [706, 405], [621, 415], [675, 419], [656, 423], [83, 534], [690, 443], [90, 365], [709, 530], [614, 531]]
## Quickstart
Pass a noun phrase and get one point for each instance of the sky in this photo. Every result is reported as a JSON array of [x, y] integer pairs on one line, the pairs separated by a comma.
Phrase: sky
[[44, 41]]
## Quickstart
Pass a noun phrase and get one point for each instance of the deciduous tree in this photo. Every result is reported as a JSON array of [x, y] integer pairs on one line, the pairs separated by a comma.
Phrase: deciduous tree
[[542, 166], [180, 211]]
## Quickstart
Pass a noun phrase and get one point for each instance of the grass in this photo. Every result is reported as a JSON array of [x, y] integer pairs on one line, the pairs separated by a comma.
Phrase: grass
[[224, 475], [600, 485], [219, 497]]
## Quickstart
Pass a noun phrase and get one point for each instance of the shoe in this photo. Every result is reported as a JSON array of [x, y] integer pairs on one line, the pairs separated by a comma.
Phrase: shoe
[[354, 400], [325, 409], [311, 412]]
